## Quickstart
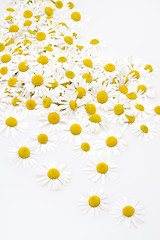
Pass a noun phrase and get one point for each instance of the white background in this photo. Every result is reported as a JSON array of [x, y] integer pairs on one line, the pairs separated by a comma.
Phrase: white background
[[28, 211]]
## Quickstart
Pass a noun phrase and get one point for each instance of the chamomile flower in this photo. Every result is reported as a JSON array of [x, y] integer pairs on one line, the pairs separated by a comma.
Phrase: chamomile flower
[[144, 130], [129, 212], [101, 168], [94, 203], [24, 155], [95, 44], [54, 175], [84, 148], [155, 111]]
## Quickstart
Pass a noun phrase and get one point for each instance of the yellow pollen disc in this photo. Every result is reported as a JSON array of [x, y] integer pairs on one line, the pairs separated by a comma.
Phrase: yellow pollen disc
[[94, 201], [79, 47], [24, 152], [81, 92], [139, 107], [70, 5], [131, 119], [68, 40], [10, 9], [13, 28], [149, 67], [11, 122], [41, 36], [43, 60], [73, 105], [48, 48], [75, 129], [76, 16], [26, 41], [94, 41], [59, 4], [141, 88], [128, 211], [47, 102], [18, 51], [88, 77], [49, 11], [132, 96], [37, 80], [42, 138], [4, 70], [118, 109], [135, 74], [102, 97], [88, 63], [53, 85], [70, 74], [8, 18], [95, 118], [30, 104], [27, 23], [110, 67], [2, 47], [6, 58], [11, 41], [123, 89], [53, 118], [27, 14], [62, 59], [157, 110], [85, 147], [12, 82], [111, 141], [15, 102], [144, 128], [53, 173], [90, 109], [23, 67], [102, 168]]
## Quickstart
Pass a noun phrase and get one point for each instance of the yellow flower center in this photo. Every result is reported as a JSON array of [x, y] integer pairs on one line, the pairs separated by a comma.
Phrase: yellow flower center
[[128, 211], [94, 41], [4, 70], [131, 119], [73, 105], [26, 41], [18, 51], [48, 48], [102, 168], [27, 14], [88, 63], [70, 5], [41, 36], [23, 67], [110, 67], [27, 23], [90, 109], [49, 11], [10, 9], [76, 16], [11, 41], [95, 118], [62, 59], [85, 147], [47, 102], [141, 88], [12, 82], [132, 96], [42, 138], [79, 47], [144, 128], [24, 152], [53, 118], [59, 4], [135, 74], [149, 67], [13, 28], [6, 58], [8, 18], [75, 129], [94, 201], [157, 110], [42, 59], [111, 141], [53, 174], [102, 97], [123, 89], [15, 102], [30, 104], [2, 47], [81, 92], [88, 77], [37, 80], [11, 122], [70, 74], [118, 109], [53, 85], [68, 40], [139, 107]]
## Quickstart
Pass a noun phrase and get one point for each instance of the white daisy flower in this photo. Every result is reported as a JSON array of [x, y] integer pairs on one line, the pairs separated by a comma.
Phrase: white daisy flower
[[144, 130], [84, 149]]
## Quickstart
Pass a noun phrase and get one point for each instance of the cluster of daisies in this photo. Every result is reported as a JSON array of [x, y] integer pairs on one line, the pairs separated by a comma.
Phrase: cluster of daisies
[[48, 70]]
